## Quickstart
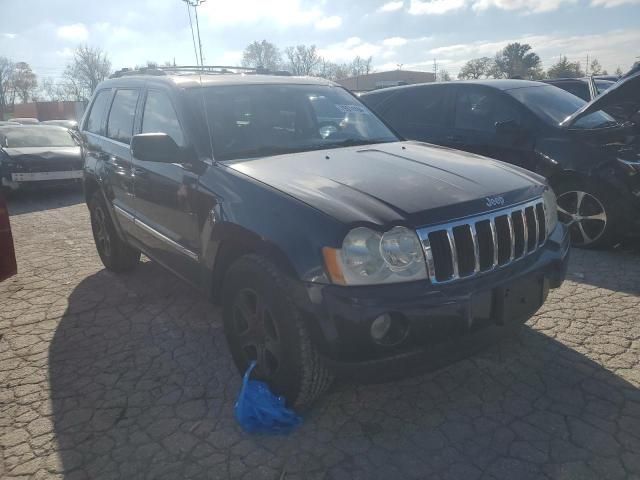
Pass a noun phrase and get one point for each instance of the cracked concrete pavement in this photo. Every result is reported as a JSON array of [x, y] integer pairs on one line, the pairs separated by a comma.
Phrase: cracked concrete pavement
[[128, 376]]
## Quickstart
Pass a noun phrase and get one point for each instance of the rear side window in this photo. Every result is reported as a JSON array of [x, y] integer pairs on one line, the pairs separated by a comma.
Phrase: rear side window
[[100, 104], [579, 89], [160, 117], [480, 110], [123, 110], [423, 106]]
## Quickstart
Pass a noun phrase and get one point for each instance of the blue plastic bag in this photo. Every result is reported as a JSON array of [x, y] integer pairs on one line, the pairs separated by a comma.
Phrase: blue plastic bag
[[260, 411]]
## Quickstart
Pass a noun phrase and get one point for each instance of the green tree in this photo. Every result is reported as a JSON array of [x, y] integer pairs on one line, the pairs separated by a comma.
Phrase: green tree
[[595, 68], [517, 60], [476, 68], [24, 81], [261, 54], [563, 68]]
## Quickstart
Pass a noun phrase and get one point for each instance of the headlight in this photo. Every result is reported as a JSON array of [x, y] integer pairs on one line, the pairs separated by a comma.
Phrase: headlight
[[367, 257], [550, 209]]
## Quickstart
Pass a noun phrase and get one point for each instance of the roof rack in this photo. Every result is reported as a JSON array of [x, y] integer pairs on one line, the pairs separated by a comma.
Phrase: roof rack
[[200, 69]]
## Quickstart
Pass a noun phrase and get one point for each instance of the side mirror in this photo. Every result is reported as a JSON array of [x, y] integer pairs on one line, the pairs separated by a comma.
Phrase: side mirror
[[155, 147], [508, 127]]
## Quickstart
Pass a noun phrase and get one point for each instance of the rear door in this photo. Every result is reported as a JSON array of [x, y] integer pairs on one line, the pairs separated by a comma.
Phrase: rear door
[[420, 113], [8, 265], [476, 113], [117, 155], [166, 192]]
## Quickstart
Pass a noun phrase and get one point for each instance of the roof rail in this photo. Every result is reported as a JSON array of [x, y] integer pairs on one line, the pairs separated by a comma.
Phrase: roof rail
[[201, 69]]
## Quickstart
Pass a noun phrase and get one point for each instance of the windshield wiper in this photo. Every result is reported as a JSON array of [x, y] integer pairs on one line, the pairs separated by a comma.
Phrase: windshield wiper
[[352, 142], [266, 150]]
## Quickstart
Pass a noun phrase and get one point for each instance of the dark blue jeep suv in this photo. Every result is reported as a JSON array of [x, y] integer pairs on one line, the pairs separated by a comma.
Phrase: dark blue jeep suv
[[328, 240]]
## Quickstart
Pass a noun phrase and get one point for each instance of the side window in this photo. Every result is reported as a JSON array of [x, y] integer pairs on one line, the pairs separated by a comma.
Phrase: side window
[[160, 117], [100, 104], [480, 110], [579, 89], [123, 110], [424, 106]]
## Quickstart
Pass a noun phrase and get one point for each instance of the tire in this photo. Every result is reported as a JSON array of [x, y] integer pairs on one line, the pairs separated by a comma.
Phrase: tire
[[116, 254], [262, 323], [592, 216]]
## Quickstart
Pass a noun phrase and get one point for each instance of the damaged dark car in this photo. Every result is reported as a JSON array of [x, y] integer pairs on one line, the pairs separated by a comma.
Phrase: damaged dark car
[[33, 156], [589, 152]]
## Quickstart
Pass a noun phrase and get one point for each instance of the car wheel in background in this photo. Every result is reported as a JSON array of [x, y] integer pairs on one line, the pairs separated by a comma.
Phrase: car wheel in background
[[116, 254], [589, 213], [262, 323]]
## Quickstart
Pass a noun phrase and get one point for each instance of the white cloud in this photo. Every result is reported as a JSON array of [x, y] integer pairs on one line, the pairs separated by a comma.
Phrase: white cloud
[[613, 3], [534, 6], [10, 36], [65, 52], [350, 48], [76, 32], [391, 6], [282, 13], [435, 7], [329, 23], [394, 42]]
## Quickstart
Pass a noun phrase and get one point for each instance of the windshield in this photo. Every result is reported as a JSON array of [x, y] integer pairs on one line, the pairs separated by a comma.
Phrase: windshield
[[260, 120], [554, 105], [40, 136]]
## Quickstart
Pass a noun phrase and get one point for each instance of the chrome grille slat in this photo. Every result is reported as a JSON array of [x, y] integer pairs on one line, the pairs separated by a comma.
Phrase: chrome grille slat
[[454, 244], [476, 248], [512, 237], [525, 226], [494, 239], [454, 254]]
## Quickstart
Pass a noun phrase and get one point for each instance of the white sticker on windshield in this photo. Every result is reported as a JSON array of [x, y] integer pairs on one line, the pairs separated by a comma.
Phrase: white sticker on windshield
[[352, 109]]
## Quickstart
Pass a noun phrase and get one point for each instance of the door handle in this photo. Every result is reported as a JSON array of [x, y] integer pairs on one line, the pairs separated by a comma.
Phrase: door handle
[[138, 172]]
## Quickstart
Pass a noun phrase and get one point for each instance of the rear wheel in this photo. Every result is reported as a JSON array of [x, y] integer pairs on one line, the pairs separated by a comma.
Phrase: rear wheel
[[262, 323], [589, 213], [115, 253]]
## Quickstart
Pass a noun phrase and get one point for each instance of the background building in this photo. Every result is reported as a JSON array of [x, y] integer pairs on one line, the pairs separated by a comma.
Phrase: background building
[[392, 78]]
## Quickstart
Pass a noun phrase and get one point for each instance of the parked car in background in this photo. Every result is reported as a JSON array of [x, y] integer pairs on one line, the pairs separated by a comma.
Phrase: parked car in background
[[330, 245], [36, 155], [25, 121], [586, 88], [8, 265], [591, 159], [71, 124]]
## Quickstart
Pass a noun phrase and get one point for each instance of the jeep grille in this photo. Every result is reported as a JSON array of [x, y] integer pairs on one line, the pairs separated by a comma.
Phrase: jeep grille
[[483, 243]]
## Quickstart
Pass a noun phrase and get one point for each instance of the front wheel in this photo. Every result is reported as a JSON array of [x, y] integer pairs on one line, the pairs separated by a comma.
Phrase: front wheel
[[262, 323], [589, 214], [115, 253]]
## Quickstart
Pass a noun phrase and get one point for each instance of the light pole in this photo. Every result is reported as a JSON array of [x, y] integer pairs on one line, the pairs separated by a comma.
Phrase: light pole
[[195, 4]]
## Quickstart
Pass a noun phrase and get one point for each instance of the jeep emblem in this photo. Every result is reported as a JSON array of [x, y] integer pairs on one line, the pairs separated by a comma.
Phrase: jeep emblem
[[495, 201]]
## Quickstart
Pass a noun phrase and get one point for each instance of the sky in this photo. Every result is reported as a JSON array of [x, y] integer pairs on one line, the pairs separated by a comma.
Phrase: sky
[[412, 33]]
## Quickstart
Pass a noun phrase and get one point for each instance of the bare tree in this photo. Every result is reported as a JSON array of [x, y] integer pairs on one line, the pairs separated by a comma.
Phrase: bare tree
[[6, 76], [595, 68], [476, 68], [261, 54], [303, 60], [361, 66], [444, 76], [89, 67], [25, 81]]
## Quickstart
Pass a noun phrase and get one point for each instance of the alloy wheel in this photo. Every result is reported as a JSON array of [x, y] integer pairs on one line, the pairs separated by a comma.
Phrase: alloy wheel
[[585, 216], [103, 239], [257, 333]]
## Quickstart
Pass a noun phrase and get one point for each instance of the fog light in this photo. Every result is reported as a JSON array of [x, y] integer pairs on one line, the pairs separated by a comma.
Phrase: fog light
[[380, 327]]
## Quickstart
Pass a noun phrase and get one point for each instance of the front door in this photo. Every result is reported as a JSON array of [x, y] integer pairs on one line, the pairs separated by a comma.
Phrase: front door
[[165, 194], [478, 112]]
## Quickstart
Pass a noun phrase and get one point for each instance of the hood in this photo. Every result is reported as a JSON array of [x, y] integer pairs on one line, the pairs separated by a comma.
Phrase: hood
[[405, 182], [43, 153], [621, 101]]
